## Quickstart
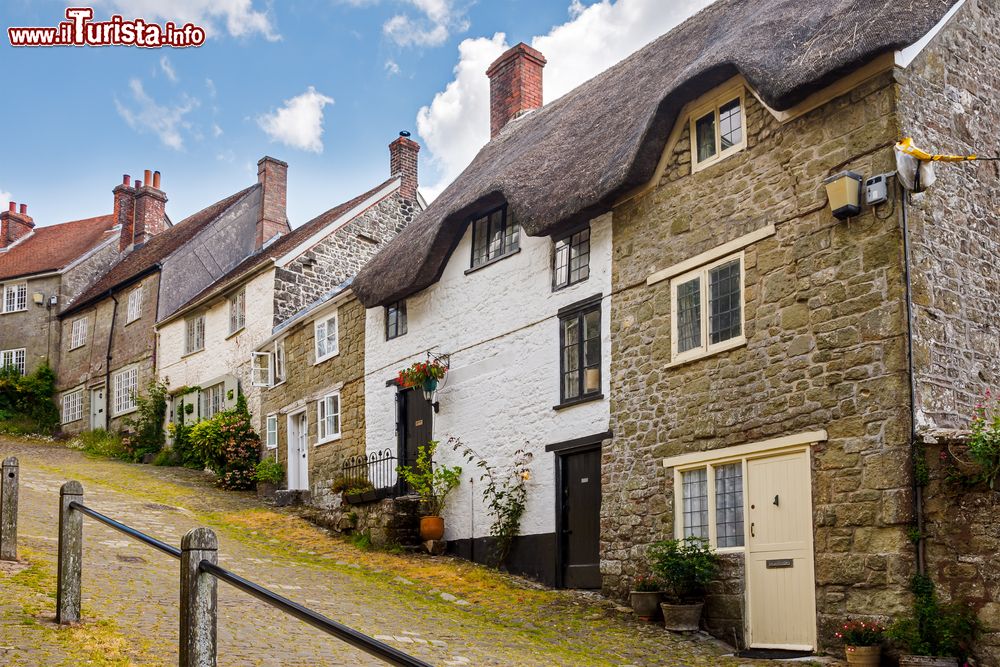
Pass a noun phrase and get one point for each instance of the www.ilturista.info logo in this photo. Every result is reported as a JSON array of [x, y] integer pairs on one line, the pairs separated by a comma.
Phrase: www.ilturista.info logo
[[80, 30]]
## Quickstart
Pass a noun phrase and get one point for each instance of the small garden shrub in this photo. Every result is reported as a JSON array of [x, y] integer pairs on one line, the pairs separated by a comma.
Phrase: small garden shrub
[[145, 426], [26, 401], [103, 443], [183, 447], [362, 541], [685, 567], [229, 446], [934, 629], [269, 471]]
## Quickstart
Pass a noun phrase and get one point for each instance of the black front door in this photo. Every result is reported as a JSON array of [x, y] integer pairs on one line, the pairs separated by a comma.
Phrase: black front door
[[416, 416], [581, 519]]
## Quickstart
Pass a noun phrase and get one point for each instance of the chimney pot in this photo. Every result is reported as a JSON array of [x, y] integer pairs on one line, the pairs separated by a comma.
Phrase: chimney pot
[[12, 207], [138, 184], [515, 85], [126, 179], [156, 180], [24, 209], [147, 177]]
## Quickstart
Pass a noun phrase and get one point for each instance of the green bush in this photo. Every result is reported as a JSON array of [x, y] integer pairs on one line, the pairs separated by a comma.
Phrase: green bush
[[146, 433], [229, 446], [103, 443], [269, 471], [432, 483], [26, 401], [934, 629], [685, 567]]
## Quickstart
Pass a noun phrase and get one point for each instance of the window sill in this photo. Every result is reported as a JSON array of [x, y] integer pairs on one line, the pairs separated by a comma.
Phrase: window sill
[[328, 440], [577, 401], [191, 354], [560, 288], [11, 312], [493, 261], [732, 344], [132, 321], [236, 333], [326, 358], [277, 384], [716, 159], [71, 420], [124, 412], [77, 347]]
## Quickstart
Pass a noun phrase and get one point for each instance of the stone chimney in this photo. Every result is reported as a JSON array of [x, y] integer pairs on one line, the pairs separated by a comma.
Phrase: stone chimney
[[150, 216], [403, 162], [515, 85], [124, 211], [14, 225], [272, 174]]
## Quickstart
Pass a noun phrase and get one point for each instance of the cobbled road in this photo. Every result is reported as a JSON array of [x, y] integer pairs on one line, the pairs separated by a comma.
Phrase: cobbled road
[[442, 610]]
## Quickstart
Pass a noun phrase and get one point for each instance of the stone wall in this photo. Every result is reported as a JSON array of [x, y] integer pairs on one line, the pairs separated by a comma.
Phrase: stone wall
[[35, 329], [826, 347], [340, 255], [307, 382], [390, 522]]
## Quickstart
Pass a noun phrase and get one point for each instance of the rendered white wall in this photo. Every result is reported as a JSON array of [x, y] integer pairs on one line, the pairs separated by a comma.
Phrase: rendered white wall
[[500, 326]]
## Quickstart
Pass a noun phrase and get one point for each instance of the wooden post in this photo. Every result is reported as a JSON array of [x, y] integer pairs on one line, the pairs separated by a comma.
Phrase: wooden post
[[70, 554], [8, 509], [199, 600]]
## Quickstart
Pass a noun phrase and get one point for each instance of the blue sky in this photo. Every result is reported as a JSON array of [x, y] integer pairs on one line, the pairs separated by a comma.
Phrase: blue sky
[[323, 84]]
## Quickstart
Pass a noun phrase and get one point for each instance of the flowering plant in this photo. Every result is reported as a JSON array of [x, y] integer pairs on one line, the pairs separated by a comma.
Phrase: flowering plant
[[860, 633], [421, 372], [645, 583], [228, 444], [984, 442]]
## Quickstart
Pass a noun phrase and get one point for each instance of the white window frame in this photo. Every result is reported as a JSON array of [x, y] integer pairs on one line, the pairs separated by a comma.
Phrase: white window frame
[[323, 324], [322, 412], [706, 349], [280, 364], [189, 340], [237, 312], [72, 406], [78, 336], [208, 400], [261, 369], [16, 357], [134, 305], [15, 297], [711, 103], [742, 454], [271, 431], [122, 404]]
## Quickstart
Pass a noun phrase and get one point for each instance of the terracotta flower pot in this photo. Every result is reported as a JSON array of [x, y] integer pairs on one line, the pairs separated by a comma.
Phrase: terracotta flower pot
[[645, 604], [431, 528], [926, 661], [866, 656], [682, 617]]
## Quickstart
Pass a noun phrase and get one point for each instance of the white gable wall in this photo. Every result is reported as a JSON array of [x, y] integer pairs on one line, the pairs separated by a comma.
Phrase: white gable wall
[[500, 326]]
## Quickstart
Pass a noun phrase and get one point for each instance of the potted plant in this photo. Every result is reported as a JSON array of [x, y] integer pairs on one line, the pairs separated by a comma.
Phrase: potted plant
[[862, 642], [423, 374], [268, 474], [357, 492], [645, 597], [685, 567], [936, 635], [433, 484]]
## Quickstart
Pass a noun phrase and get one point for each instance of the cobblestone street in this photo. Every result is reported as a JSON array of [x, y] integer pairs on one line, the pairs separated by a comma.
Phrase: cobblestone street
[[445, 611]]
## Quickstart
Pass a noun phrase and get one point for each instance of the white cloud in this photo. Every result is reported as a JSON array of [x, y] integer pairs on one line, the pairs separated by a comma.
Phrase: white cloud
[[216, 130], [168, 69], [391, 67], [455, 125], [239, 17], [438, 20], [299, 123], [147, 115]]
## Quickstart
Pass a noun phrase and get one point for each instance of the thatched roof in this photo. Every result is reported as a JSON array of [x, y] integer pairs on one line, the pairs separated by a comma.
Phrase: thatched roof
[[568, 161]]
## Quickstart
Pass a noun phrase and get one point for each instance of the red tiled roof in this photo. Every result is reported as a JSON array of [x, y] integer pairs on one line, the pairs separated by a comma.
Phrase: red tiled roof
[[280, 247], [146, 258], [54, 247]]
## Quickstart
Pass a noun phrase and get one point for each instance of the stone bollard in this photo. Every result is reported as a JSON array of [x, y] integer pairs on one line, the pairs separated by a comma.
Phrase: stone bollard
[[70, 554], [8, 509], [199, 599]]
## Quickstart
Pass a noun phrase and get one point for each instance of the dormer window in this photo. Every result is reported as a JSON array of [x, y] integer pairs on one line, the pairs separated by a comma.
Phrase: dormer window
[[494, 235], [718, 127]]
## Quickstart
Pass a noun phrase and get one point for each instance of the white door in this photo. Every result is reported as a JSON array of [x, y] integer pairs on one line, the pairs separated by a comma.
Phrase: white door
[[298, 452], [97, 407], [781, 593]]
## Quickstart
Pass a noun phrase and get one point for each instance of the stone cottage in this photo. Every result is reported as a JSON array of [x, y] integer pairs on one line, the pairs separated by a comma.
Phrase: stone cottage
[[207, 347], [161, 266], [522, 319], [41, 269], [773, 369]]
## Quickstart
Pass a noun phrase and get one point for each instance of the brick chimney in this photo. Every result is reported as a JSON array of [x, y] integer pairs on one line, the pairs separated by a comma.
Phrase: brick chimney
[[124, 211], [272, 174], [515, 85], [403, 162], [14, 224], [150, 216]]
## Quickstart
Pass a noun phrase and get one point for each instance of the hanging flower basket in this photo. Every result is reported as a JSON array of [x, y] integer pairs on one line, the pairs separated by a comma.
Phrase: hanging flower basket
[[423, 374]]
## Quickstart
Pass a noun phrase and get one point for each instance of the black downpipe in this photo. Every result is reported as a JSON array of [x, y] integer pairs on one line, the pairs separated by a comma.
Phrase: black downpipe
[[107, 365]]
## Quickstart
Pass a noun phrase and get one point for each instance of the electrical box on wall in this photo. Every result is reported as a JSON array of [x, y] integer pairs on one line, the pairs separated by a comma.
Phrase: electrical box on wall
[[877, 189]]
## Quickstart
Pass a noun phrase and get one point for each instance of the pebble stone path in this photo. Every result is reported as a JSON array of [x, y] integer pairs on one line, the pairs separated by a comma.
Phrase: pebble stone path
[[466, 617]]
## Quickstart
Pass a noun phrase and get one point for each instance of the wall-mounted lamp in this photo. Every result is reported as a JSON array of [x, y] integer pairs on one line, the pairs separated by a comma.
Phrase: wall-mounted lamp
[[844, 192], [38, 298]]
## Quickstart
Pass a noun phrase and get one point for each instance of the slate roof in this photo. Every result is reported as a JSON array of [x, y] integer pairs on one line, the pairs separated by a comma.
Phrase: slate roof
[[147, 258], [278, 248], [55, 247], [568, 161]]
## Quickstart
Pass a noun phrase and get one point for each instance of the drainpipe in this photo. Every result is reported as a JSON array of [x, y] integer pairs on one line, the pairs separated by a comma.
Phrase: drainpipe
[[107, 365], [918, 490]]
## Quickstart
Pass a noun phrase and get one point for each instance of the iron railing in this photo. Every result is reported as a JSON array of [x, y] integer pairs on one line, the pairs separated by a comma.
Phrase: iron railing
[[374, 472]]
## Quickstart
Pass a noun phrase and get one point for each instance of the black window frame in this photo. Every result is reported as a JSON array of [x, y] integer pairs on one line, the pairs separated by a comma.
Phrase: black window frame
[[579, 311], [568, 238], [507, 248], [400, 308]]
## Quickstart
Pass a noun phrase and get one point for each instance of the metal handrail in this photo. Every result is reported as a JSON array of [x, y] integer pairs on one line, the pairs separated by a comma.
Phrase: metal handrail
[[131, 532], [353, 637]]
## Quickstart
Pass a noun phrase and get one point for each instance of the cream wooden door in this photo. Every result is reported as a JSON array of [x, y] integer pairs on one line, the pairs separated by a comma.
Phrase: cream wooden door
[[781, 588], [298, 452]]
